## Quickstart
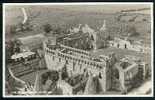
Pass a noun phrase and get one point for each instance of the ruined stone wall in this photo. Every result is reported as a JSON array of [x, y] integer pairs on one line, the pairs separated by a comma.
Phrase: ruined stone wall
[[56, 60]]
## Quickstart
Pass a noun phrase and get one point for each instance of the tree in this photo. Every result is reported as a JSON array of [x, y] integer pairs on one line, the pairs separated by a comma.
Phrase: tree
[[109, 37], [47, 28], [57, 30], [9, 50], [133, 32]]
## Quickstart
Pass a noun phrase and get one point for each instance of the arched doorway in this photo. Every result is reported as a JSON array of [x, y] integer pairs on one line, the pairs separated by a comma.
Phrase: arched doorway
[[100, 75]]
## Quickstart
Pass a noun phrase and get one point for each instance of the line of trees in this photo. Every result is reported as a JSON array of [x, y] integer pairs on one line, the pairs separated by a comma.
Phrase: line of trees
[[12, 47], [47, 28]]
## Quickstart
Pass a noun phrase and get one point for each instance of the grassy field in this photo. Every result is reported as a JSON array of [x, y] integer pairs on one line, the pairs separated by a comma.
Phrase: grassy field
[[120, 53], [31, 77]]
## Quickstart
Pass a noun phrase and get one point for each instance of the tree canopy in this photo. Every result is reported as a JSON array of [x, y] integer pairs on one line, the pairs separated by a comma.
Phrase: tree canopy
[[47, 28]]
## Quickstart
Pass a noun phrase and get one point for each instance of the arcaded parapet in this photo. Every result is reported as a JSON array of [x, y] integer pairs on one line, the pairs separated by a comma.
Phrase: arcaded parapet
[[77, 61]]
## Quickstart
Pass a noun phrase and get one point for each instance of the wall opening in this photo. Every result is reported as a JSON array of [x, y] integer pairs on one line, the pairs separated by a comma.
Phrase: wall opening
[[66, 61], [100, 75], [53, 58], [125, 46], [59, 59], [118, 45]]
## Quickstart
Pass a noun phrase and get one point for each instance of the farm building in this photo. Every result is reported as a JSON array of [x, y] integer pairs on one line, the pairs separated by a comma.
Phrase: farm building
[[120, 43], [131, 45]]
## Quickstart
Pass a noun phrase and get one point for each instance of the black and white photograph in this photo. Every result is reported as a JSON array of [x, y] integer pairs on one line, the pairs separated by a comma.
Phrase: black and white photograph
[[78, 49]]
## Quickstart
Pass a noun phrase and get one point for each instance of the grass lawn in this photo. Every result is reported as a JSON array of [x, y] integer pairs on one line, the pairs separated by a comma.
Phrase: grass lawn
[[122, 52], [31, 77]]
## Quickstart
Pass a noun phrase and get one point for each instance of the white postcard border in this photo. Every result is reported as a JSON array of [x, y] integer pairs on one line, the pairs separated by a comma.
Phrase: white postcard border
[[81, 3]]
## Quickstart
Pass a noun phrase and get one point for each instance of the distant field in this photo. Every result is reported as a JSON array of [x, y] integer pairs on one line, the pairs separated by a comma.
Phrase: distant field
[[72, 16]]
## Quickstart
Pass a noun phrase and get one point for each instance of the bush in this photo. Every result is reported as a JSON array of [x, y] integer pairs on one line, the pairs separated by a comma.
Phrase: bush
[[133, 31], [134, 34], [47, 28]]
